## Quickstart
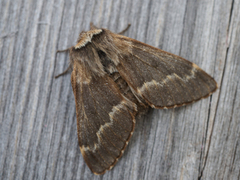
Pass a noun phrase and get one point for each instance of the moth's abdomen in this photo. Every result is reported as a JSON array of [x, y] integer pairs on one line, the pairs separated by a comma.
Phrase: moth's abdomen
[[123, 86], [126, 91]]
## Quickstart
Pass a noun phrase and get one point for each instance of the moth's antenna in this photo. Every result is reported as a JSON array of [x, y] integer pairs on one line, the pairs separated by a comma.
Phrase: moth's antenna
[[92, 26], [123, 31]]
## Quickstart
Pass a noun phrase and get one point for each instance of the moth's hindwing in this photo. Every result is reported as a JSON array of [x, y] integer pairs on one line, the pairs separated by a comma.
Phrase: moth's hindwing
[[105, 120]]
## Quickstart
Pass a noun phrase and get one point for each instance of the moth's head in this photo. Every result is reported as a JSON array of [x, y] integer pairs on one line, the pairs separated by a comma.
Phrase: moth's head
[[86, 37]]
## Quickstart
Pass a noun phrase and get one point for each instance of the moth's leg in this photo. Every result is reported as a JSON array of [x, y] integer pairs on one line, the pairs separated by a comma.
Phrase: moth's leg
[[92, 27], [69, 67], [123, 31], [64, 72], [64, 50]]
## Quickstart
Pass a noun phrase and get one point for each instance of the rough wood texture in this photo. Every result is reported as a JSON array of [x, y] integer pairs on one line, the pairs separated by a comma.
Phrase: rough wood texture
[[38, 135]]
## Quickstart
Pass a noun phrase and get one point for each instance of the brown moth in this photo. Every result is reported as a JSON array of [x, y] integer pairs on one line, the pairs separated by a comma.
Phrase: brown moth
[[114, 78]]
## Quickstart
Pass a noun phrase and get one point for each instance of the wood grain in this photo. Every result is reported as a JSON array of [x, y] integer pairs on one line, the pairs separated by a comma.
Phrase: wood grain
[[38, 134]]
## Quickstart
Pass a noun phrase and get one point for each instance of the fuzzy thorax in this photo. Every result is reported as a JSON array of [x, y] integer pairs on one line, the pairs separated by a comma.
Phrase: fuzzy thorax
[[86, 37]]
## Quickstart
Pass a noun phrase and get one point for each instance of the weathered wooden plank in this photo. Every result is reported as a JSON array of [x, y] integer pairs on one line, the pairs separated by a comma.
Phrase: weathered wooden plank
[[223, 155], [38, 135]]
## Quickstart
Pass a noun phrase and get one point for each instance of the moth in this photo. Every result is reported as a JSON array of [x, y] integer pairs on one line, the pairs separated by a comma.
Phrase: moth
[[113, 79]]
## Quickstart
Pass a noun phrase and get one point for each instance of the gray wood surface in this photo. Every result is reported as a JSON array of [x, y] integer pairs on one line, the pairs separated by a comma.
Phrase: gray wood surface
[[38, 134]]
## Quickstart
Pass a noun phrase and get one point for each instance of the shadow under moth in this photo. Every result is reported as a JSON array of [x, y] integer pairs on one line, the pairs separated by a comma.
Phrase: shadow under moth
[[114, 78]]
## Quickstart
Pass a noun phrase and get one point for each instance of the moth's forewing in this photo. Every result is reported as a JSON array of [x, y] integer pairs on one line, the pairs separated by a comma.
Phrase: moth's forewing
[[162, 79], [105, 119]]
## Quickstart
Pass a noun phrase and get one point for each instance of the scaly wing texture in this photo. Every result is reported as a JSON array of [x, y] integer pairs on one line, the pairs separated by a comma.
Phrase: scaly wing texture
[[105, 120], [162, 79]]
